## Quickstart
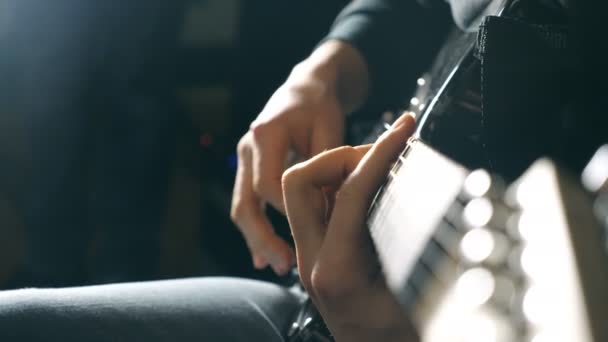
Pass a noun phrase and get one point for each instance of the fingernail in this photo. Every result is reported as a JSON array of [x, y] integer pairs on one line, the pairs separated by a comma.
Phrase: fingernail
[[280, 268], [403, 120], [259, 262]]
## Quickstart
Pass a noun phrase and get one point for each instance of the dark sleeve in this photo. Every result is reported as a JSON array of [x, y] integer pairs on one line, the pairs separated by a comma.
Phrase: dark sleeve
[[397, 38]]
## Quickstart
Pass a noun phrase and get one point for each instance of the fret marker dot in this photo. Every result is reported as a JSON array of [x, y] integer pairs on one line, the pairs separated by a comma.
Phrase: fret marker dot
[[478, 183], [477, 245], [475, 287], [478, 212]]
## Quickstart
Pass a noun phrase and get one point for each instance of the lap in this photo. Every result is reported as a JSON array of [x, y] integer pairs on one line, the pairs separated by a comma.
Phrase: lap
[[198, 309]]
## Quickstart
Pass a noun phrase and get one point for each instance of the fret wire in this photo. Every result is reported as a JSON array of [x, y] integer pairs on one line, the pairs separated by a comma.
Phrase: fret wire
[[439, 255], [443, 258], [414, 280], [409, 296], [446, 230], [390, 178], [423, 274], [385, 205], [373, 209], [386, 188], [438, 240], [382, 227], [417, 276], [454, 213], [381, 201], [380, 224], [380, 209], [434, 243], [446, 238], [397, 165], [407, 149]]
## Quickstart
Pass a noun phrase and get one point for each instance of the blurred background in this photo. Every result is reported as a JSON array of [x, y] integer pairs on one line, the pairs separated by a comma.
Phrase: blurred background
[[118, 126]]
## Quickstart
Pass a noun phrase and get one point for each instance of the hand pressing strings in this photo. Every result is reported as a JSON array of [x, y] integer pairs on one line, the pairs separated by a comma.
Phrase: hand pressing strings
[[326, 200]]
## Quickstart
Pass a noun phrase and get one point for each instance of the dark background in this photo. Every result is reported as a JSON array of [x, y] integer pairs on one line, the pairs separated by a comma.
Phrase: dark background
[[230, 56]]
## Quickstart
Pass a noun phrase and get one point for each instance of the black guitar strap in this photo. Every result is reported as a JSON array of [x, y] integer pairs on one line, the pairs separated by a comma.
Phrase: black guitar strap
[[528, 73]]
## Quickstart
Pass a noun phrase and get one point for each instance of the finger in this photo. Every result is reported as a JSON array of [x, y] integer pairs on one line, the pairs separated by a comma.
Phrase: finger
[[354, 197], [271, 144], [327, 134], [304, 187], [247, 212], [244, 200], [330, 199], [269, 249]]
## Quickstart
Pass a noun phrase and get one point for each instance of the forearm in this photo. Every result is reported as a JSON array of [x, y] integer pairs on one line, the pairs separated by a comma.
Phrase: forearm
[[397, 40]]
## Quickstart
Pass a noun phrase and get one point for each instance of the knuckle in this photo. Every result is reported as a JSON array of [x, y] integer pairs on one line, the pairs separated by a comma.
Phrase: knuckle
[[319, 283], [262, 130], [260, 184], [243, 146], [306, 283], [344, 195], [237, 212], [384, 136], [305, 269], [348, 150], [328, 286], [352, 155], [291, 176]]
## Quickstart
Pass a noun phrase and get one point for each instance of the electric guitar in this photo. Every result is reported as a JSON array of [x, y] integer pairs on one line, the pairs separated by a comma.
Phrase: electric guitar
[[468, 258]]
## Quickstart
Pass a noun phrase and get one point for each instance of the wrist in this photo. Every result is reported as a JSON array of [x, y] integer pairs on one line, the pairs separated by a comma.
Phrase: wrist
[[340, 69]]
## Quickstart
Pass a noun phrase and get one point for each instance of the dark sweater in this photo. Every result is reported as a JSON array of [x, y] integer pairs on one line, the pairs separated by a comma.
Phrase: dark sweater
[[398, 39]]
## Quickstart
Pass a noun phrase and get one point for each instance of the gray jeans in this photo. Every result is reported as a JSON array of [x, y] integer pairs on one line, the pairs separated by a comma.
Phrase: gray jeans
[[197, 309]]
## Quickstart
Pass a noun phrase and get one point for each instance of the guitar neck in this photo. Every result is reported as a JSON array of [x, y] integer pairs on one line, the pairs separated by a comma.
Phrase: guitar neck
[[471, 261], [421, 187]]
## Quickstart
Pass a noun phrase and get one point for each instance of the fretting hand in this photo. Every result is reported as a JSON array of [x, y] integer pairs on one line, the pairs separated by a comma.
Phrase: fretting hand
[[327, 199]]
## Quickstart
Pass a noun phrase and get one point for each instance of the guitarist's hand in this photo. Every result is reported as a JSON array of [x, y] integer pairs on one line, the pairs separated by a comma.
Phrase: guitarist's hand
[[327, 199], [306, 116]]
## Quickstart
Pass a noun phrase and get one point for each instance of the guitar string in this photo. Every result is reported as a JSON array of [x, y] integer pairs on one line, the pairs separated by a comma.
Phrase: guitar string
[[443, 238], [380, 226]]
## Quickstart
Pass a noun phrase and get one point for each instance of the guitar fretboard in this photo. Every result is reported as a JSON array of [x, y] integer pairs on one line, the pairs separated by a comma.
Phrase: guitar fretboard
[[408, 220]]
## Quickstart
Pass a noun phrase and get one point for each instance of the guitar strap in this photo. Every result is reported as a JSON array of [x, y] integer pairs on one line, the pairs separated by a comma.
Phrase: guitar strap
[[525, 70], [528, 75]]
